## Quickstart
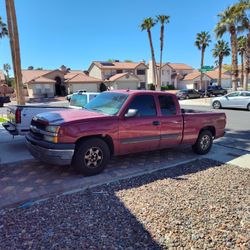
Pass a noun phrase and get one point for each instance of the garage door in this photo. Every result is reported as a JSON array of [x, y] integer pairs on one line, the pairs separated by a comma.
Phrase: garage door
[[91, 87], [127, 85]]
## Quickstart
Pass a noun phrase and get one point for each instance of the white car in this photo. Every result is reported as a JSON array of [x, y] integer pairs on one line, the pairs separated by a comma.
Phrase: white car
[[237, 99]]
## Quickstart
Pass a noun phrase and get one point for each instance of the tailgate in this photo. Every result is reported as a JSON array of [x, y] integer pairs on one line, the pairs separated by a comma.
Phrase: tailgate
[[11, 110]]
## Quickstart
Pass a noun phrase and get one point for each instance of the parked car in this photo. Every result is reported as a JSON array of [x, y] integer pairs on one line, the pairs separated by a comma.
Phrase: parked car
[[118, 123], [20, 116], [187, 94], [237, 99], [213, 91]]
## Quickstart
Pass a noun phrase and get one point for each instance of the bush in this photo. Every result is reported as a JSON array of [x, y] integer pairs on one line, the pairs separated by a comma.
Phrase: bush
[[168, 87], [151, 86]]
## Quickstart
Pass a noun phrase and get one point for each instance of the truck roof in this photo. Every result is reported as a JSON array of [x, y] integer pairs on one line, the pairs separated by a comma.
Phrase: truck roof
[[131, 92]]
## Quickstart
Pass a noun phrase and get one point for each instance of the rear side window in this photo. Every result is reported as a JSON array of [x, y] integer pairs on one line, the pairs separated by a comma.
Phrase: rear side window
[[145, 104], [167, 105]]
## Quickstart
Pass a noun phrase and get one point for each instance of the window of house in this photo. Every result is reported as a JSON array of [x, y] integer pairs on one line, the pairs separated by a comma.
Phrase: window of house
[[145, 104], [162, 72], [140, 71], [167, 105], [118, 71]]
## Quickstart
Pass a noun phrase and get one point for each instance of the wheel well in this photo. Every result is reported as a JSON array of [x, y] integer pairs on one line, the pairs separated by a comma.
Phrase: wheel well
[[209, 128], [105, 138]]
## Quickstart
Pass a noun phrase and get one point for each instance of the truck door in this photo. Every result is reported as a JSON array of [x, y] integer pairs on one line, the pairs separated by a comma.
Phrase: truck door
[[142, 131], [171, 122]]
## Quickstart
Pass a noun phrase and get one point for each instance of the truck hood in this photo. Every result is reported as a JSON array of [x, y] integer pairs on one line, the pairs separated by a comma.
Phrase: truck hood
[[63, 116]]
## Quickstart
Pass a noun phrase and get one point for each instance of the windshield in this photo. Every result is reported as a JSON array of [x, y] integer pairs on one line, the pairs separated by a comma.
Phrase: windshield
[[107, 103]]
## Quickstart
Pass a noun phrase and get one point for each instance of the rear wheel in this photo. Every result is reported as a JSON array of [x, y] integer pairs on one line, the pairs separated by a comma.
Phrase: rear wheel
[[203, 143], [187, 96], [91, 157], [216, 105]]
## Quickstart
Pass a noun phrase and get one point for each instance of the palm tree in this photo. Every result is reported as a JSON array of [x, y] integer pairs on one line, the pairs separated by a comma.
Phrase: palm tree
[[243, 6], [202, 42], [147, 25], [162, 19], [229, 22], [7, 68], [15, 48], [242, 44], [220, 50], [3, 29]]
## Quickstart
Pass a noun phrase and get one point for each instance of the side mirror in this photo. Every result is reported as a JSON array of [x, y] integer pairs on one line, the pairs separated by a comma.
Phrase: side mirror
[[131, 113]]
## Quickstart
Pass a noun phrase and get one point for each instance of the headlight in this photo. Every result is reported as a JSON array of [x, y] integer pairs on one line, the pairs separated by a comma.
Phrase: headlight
[[52, 129]]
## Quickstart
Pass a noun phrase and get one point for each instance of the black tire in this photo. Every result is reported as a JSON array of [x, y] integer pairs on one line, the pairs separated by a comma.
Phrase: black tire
[[216, 105], [248, 107], [203, 143], [91, 156]]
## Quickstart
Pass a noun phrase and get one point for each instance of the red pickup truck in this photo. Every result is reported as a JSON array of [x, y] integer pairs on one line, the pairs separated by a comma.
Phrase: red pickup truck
[[117, 123]]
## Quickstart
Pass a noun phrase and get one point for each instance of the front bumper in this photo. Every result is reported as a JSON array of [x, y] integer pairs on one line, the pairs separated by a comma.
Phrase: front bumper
[[56, 156]]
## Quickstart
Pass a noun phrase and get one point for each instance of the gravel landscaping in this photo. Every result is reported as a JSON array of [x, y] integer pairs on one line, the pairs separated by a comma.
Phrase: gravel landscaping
[[200, 205]]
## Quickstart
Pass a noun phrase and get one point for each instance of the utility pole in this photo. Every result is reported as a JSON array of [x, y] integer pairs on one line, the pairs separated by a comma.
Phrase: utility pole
[[15, 49]]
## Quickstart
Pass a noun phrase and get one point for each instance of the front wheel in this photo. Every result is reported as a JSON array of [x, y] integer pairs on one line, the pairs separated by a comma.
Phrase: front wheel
[[187, 97], [91, 156], [248, 107], [216, 105], [203, 143]]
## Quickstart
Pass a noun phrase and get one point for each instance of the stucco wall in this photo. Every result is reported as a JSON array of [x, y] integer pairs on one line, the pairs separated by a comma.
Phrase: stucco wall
[[95, 72]]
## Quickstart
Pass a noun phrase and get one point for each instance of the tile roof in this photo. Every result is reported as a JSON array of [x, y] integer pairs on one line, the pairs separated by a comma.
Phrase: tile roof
[[192, 75], [215, 75], [180, 66], [80, 77], [42, 79], [118, 65], [211, 74], [120, 75], [29, 75]]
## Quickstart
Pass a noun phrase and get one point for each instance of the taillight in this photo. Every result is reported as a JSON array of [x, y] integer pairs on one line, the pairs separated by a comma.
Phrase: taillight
[[18, 115]]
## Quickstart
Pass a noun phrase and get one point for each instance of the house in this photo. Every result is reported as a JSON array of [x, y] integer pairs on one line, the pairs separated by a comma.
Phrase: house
[[58, 82], [171, 73], [192, 80], [78, 80], [120, 75]]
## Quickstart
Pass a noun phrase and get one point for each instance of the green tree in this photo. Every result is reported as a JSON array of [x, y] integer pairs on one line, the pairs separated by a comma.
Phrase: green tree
[[220, 50], [242, 45], [3, 29], [7, 68], [162, 19], [202, 42], [147, 25], [229, 21]]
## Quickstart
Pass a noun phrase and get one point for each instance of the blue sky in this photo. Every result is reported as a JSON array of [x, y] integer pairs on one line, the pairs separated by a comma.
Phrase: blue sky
[[76, 32]]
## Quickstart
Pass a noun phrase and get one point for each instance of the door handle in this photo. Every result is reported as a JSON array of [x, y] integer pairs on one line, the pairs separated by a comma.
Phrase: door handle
[[156, 123]]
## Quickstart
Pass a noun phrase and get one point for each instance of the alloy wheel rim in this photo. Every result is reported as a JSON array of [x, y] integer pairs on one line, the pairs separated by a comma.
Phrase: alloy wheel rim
[[93, 157], [216, 104], [205, 142]]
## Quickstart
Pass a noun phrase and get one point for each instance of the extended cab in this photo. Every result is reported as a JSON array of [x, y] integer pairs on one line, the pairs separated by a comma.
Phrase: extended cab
[[117, 123]]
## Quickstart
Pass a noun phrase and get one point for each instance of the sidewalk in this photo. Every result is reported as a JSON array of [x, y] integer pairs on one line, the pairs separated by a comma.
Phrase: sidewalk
[[198, 102]]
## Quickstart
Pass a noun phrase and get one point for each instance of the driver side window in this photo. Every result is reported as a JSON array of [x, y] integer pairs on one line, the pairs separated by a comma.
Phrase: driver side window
[[233, 94], [145, 105]]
